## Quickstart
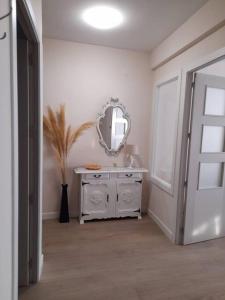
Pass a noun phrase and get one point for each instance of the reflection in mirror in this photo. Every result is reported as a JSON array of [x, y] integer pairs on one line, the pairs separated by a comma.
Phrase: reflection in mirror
[[113, 127]]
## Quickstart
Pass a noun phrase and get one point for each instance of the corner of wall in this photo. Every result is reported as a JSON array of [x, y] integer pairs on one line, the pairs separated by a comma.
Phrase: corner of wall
[[203, 23]]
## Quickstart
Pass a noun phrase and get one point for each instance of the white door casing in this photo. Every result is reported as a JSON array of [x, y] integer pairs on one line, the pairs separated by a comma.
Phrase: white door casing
[[205, 205]]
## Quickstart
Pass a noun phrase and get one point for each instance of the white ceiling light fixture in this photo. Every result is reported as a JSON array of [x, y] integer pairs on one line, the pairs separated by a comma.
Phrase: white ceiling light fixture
[[103, 17]]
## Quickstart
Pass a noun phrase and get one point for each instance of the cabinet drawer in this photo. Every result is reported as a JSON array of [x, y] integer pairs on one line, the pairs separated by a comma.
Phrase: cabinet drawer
[[96, 176], [129, 175]]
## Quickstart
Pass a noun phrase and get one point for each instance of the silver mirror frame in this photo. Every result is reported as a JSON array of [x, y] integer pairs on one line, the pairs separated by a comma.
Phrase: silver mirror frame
[[113, 103]]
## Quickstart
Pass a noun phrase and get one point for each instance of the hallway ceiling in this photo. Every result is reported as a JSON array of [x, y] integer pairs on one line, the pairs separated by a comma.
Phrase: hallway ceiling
[[147, 22]]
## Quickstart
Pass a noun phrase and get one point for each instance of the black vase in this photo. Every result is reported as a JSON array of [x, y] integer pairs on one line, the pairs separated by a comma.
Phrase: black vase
[[64, 211]]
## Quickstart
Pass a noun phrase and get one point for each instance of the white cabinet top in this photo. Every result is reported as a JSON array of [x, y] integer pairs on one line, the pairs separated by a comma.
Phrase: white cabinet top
[[110, 170]]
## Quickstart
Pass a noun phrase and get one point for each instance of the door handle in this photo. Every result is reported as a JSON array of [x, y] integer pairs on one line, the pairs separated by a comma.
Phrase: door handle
[[3, 36], [83, 183], [138, 181], [117, 197], [3, 17], [107, 198], [129, 175]]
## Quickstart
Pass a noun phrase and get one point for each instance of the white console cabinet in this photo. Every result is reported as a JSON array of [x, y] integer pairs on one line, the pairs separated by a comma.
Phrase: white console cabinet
[[110, 193]]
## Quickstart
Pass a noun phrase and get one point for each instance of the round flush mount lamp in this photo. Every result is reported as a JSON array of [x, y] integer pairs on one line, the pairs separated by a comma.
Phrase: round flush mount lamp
[[103, 17]]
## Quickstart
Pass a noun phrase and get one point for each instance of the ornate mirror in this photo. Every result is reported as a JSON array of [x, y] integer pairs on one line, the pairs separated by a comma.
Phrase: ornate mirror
[[113, 126]]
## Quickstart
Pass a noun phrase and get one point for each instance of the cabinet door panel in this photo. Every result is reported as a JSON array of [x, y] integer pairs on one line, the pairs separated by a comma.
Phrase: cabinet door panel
[[128, 197], [96, 198]]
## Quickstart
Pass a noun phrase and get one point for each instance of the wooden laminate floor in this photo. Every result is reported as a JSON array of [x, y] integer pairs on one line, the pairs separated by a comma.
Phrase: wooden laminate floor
[[126, 260]]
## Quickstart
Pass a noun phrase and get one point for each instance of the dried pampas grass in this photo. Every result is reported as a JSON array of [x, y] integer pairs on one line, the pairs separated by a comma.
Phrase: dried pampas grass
[[60, 137]]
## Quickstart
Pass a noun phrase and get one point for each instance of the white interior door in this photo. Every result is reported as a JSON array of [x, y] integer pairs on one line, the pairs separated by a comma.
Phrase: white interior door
[[205, 202], [23, 130]]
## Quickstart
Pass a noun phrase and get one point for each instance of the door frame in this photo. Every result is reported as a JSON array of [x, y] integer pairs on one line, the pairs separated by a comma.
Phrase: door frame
[[30, 18], [186, 101]]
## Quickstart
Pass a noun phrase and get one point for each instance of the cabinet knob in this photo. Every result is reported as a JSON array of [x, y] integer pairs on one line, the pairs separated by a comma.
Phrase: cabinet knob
[[97, 175]]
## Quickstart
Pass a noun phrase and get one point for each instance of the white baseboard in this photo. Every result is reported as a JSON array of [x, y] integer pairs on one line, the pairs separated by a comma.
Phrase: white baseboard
[[50, 215], [162, 225], [55, 215]]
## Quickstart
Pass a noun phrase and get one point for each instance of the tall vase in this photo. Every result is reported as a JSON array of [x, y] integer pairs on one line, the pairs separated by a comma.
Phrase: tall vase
[[64, 211]]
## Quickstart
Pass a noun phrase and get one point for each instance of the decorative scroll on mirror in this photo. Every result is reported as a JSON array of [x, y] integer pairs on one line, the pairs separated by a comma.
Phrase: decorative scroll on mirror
[[113, 126]]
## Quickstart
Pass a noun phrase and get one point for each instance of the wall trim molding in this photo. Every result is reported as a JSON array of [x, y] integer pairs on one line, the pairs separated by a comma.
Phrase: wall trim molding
[[190, 45], [161, 225], [52, 215], [156, 180]]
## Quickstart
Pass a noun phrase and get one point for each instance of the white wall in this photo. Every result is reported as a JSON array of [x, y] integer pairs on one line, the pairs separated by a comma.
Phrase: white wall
[[84, 77], [6, 183], [9, 150], [162, 206]]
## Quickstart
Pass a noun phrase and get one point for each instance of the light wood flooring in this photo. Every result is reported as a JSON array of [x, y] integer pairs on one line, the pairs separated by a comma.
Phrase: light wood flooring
[[126, 260]]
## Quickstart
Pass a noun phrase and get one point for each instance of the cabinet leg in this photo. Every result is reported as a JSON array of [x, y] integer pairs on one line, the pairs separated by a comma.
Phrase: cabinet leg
[[139, 217], [81, 222]]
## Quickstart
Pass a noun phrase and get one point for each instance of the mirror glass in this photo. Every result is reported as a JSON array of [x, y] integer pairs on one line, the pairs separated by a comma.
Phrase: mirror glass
[[113, 127]]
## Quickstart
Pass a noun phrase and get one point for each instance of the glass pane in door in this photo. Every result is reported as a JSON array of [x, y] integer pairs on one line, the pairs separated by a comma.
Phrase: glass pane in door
[[213, 139], [210, 175], [215, 102]]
